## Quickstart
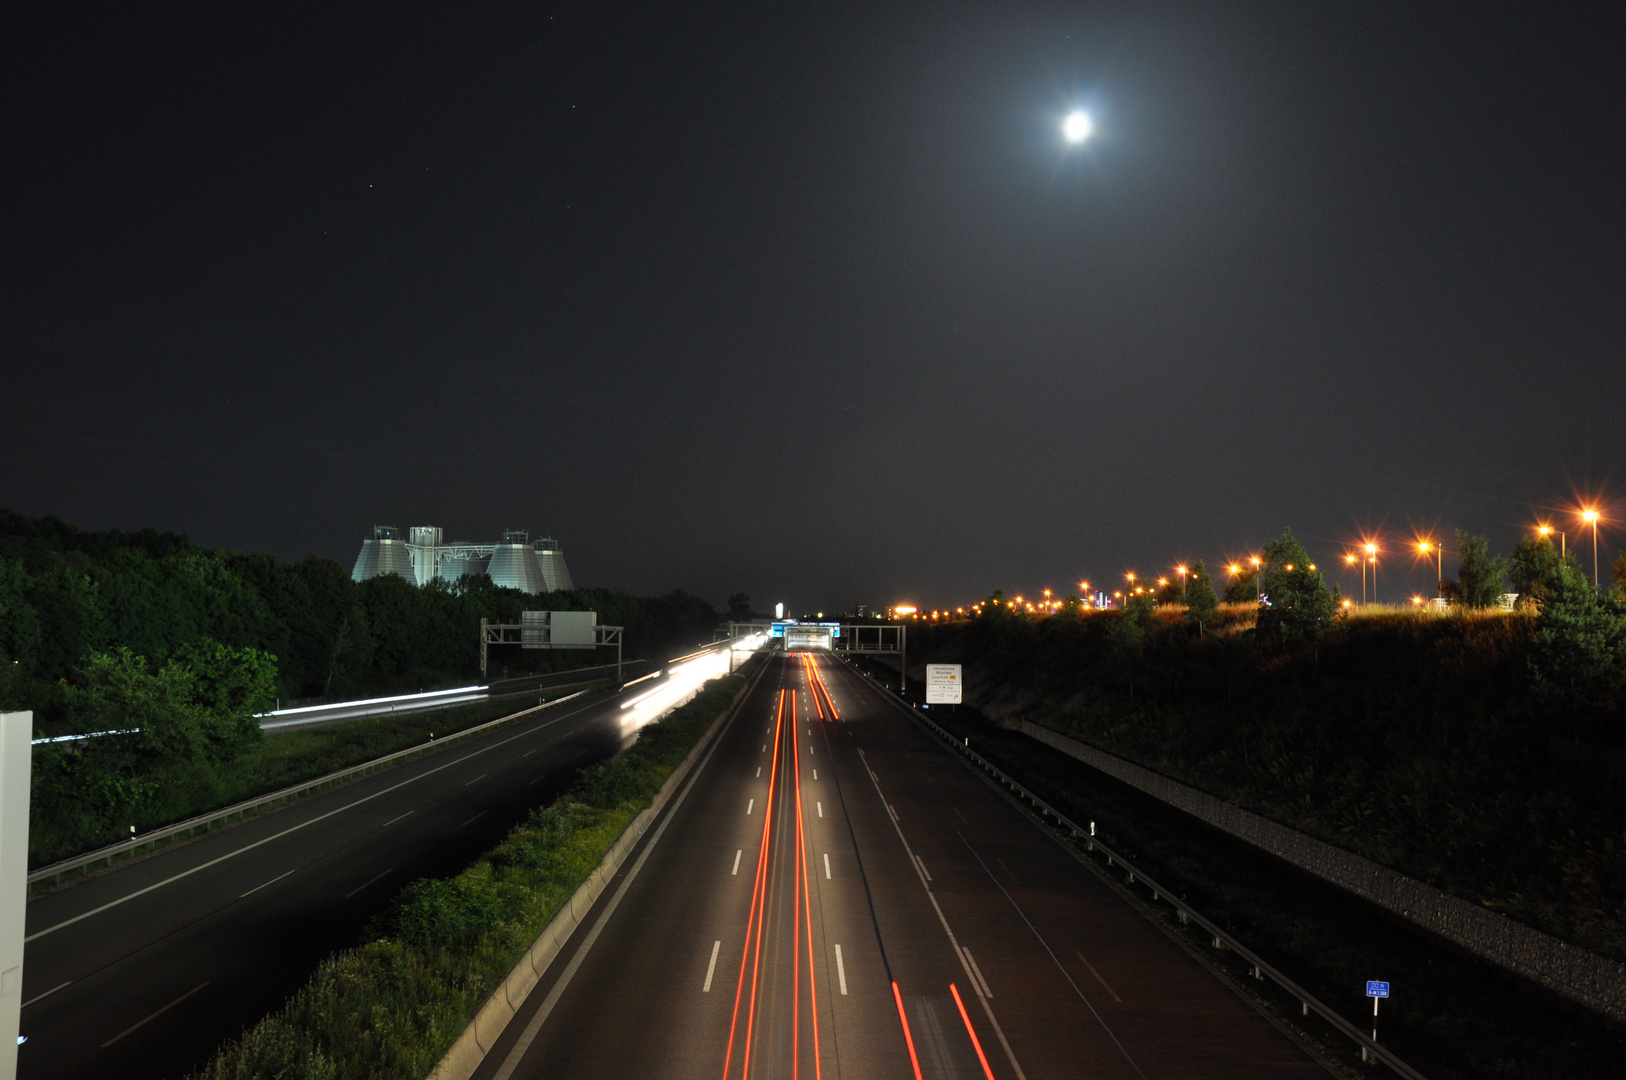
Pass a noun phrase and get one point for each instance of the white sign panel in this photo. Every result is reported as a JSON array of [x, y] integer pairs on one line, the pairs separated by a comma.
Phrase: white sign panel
[[942, 684]]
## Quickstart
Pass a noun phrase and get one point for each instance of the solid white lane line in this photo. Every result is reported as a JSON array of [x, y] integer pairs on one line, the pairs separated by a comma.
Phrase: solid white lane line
[[273, 881], [827, 866], [303, 824], [472, 820], [477, 779], [393, 820], [154, 1016], [841, 971], [821, 808], [369, 881], [736, 871], [47, 994], [748, 806], [711, 967]]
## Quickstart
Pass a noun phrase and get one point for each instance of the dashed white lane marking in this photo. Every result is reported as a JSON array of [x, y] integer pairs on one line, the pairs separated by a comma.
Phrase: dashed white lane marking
[[977, 971], [827, 866], [393, 820], [257, 888], [47, 994], [821, 808], [711, 967], [370, 881], [154, 1016], [472, 820], [759, 770], [736, 871], [764, 748], [841, 971], [477, 779], [815, 774], [749, 805]]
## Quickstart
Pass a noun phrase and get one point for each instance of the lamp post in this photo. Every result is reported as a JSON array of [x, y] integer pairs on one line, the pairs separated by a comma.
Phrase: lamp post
[[1590, 516], [1423, 548], [1547, 531], [1372, 557], [1350, 560], [1258, 577]]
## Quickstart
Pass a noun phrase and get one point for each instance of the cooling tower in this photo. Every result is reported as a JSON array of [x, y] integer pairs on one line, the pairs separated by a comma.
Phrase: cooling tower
[[555, 575], [386, 553], [514, 564]]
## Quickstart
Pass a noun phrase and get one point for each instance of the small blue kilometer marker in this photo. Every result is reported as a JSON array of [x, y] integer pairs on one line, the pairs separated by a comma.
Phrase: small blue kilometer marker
[[1375, 990]]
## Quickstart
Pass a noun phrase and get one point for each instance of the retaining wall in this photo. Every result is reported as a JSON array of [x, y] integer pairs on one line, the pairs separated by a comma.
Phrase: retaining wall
[[1577, 973]]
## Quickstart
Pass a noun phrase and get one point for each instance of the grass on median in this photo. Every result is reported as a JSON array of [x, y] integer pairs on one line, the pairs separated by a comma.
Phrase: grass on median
[[391, 1008]]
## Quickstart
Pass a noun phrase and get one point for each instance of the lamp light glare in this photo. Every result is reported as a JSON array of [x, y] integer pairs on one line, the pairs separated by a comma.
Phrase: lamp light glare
[[1077, 127]]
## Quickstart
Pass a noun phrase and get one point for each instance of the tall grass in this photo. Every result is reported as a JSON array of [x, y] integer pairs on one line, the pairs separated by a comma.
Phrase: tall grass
[[390, 1008]]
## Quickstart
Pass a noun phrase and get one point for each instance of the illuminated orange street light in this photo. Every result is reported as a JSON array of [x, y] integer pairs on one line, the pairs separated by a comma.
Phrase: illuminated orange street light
[[1590, 516], [1547, 531], [1423, 549]]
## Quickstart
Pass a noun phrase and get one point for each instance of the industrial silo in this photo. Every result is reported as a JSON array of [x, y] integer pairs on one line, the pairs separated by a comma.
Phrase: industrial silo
[[514, 564], [386, 553], [555, 575]]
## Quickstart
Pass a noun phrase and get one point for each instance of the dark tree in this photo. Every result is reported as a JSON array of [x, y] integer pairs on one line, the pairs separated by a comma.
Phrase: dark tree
[[1296, 605], [739, 607], [1243, 588], [1201, 603], [1535, 568], [1578, 663], [1480, 574]]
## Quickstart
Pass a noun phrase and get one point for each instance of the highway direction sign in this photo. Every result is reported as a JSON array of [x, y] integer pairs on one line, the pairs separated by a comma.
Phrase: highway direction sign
[[1375, 989], [942, 684]]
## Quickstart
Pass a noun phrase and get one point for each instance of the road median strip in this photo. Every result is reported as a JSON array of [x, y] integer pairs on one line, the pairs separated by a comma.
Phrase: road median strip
[[444, 969]]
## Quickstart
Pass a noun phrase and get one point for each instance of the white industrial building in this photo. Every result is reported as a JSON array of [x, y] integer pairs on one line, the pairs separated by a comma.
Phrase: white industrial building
[[515, 562]]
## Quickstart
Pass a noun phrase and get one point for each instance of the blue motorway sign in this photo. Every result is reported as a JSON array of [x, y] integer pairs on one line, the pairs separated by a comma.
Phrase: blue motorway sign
[[1375, 989]]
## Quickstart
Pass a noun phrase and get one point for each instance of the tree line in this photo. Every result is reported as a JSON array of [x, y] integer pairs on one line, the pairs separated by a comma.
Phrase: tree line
[[175, 647]]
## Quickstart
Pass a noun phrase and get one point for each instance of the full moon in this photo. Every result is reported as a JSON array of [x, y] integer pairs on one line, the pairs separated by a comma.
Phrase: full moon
[[1076, 127]]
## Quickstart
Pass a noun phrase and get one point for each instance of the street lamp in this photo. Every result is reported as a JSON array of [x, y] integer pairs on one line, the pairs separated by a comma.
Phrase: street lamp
[[1590, 516], [1423, 548], [1547, 531], [1372, 557]]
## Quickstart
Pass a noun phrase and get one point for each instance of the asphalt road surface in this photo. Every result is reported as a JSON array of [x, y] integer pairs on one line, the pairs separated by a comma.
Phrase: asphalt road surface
[[835, 895], [145, 971]]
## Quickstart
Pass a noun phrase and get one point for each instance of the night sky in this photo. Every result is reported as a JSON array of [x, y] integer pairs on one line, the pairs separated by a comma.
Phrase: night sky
[[814, 301]]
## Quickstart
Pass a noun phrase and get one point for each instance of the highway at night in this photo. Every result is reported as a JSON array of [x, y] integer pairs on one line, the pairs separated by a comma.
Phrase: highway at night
[[834, 894]]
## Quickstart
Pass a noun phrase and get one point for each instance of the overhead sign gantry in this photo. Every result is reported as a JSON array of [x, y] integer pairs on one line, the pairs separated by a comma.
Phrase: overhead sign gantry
[[870, 639]]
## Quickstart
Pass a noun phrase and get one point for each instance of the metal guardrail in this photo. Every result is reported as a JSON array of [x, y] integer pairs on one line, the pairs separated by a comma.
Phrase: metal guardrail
[[1261, 969], [106, 855]]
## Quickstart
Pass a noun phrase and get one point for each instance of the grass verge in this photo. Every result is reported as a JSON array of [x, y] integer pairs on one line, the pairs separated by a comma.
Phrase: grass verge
[[278, 760], [1452, 1015], [390, 1008]]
